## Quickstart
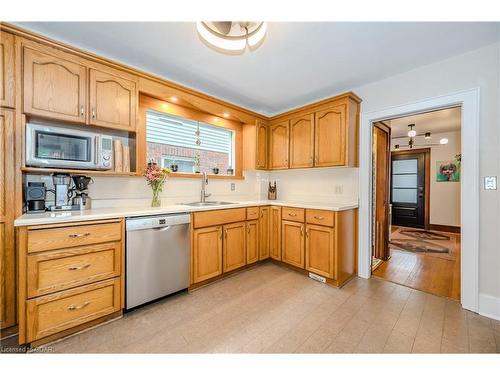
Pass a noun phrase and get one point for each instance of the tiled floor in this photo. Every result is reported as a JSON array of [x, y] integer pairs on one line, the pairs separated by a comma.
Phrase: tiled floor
[[272, 309]]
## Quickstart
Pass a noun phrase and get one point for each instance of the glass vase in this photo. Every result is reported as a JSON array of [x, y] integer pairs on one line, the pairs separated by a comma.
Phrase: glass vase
[[156, 201]]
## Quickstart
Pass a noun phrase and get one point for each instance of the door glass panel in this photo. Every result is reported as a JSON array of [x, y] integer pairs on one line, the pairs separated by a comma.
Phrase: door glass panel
[[62, 147], [404, 181], [404, 166], [404, 195]]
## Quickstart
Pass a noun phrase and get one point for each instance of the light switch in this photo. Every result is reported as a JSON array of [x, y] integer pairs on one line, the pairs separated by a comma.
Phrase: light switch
[[233, 186], [490, 182]]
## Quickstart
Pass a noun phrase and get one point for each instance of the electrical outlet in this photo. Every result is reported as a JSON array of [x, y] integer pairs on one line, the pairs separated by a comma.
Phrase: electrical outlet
[[338, 189], [233, 186]]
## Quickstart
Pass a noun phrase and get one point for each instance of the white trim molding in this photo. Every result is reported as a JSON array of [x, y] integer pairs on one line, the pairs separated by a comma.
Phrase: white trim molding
[[468, 100], [489, 306]]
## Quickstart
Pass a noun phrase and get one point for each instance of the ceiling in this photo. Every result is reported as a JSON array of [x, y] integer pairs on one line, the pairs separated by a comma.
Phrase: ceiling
[[442, 121], [298, 62]]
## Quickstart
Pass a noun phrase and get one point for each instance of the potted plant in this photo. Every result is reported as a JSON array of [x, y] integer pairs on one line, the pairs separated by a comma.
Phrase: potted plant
[[196, 165], [155, 177], [173, 166], [230, 171]]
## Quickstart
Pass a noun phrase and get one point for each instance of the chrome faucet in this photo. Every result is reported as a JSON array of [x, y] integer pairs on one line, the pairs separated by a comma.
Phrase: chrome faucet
[[204, 183]]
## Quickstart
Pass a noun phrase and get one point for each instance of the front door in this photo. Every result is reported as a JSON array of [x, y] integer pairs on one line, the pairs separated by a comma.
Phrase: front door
[[408, 182]]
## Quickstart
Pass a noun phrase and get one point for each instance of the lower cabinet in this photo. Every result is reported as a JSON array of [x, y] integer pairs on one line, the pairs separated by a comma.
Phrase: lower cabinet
[[264, 233], [292, 240], [320, 250], [207, 253], [275, 233], [252, 241], [234, 254]]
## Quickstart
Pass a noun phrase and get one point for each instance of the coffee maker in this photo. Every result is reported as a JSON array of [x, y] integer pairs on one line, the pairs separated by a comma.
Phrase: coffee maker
[[80, 196], [35, 197], [62, 182]]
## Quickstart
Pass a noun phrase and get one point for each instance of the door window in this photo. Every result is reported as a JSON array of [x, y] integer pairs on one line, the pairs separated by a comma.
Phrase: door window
[[404, 181]]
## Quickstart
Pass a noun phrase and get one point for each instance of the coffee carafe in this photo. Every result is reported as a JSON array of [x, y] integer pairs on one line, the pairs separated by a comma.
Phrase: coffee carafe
[[81, 199]]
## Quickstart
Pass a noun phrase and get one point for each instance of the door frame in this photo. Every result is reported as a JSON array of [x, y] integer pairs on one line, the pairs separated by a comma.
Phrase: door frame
[[468, 100], [427, 171]]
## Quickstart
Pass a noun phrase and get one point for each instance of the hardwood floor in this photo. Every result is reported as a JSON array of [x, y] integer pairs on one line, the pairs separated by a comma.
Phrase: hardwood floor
[[271, 309], [433, 273]]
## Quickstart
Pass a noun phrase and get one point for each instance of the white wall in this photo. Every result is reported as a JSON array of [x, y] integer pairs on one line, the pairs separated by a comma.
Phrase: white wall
[[444, 196], [478, 68]]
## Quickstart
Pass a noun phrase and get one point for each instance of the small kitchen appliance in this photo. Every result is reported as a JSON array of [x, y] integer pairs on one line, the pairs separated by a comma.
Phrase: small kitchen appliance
[[35, 197], [62, 182], [80, 196]]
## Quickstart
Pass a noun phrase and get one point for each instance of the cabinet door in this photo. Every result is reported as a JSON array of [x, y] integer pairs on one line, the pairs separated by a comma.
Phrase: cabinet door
[[302, 141], [262, 149], [264, 233], [7, 75], [275, 233], [292, 240], [234, 253], [278, 145], [330, 137], [207, 253], [112, 101], [252, 241], [54, 87], [320, 250]]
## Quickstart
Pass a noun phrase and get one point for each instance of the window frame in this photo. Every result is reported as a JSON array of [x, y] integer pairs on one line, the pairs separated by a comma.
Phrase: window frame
[[150, 103]]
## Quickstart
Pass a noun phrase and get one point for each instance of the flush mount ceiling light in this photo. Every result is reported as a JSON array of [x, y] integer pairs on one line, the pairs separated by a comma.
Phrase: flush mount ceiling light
[[231, 36]]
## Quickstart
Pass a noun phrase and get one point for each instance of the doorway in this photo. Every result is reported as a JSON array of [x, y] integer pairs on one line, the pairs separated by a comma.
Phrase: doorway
[[419, 245]]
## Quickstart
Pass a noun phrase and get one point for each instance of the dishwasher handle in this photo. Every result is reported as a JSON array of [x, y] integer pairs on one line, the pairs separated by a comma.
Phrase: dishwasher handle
[[162, 229]]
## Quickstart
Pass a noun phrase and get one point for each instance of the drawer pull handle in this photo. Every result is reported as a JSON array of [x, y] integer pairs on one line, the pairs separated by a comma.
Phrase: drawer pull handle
[[79, 307], [319, 217], [292, 214], [79, 235], [76, 268]]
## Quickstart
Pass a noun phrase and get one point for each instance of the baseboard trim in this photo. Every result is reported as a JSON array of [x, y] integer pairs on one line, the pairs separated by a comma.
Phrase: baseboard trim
[[489, 306], [444, 228]]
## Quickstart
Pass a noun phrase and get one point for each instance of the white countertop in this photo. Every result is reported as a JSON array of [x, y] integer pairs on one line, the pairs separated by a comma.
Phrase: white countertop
[[119, 212]]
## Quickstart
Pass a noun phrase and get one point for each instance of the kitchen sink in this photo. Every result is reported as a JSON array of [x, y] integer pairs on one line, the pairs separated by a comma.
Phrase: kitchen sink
[[207, 203]]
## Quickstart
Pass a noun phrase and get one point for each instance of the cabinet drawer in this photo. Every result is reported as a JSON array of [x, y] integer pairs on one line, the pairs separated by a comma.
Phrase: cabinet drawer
[[218, 217], [62, 269], [63, 237], [293, 214], [252, 213], [60, 311], [320, 217]]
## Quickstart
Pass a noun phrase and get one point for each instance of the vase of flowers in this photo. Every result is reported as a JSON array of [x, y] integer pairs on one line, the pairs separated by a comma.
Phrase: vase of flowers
[[156, 176]]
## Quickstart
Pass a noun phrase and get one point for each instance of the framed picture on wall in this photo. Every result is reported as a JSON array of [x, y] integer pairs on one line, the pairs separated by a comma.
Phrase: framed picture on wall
[[448, 171]]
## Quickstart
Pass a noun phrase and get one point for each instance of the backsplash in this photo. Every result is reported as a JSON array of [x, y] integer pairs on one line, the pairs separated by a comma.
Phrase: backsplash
[[305, 185]]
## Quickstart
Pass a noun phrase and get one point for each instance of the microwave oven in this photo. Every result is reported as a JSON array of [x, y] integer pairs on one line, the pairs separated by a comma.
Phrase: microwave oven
[[56, 146]]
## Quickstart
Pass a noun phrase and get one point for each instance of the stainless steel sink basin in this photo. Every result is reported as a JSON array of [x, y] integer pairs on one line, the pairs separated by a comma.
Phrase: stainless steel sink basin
[[207, 203]]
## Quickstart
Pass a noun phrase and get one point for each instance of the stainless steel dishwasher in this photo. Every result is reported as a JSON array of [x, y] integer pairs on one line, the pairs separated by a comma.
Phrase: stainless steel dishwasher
[[157, 257]]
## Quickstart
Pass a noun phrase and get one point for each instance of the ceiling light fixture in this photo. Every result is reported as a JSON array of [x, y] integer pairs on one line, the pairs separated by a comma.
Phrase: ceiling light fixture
[[232, 37], [225, 114], [443, 141], [174, 98], [411, 133], [427, 135]]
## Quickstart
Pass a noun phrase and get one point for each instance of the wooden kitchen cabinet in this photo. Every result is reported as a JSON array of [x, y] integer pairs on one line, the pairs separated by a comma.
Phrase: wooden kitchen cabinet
[[278, 145], [54, 86], [261, 154], [264, 233], [113, 101], [7, 73], [234, 251], [292, 243], [275, 233], [330, 137], [207, 253], [320, 250], [302, 141], [252, 241]]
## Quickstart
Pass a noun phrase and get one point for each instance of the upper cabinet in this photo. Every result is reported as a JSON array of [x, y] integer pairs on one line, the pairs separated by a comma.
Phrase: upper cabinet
[[278, 145], [54, 87], [65, 87], [113, 101], [330, 137], [7, 75], [302, 141], [261, 153]]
